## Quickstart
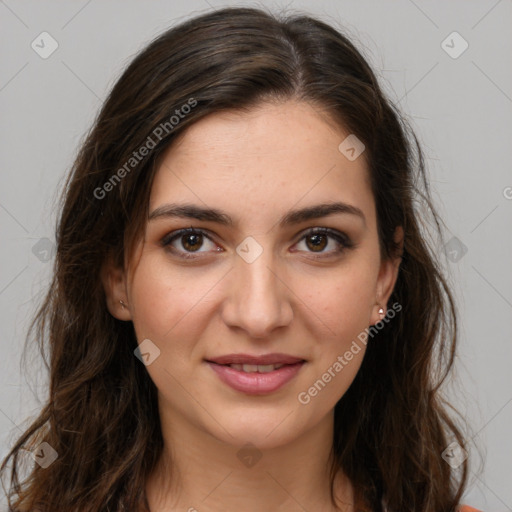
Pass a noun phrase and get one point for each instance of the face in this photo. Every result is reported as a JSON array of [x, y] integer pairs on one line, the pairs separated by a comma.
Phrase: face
[[263, 283]]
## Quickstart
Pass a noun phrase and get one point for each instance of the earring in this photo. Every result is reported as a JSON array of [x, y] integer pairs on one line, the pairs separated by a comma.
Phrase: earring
[[123, 305], [381, 312]]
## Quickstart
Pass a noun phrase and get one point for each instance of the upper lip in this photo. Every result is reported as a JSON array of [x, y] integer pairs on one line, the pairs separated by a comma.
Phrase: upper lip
[[257, 360]]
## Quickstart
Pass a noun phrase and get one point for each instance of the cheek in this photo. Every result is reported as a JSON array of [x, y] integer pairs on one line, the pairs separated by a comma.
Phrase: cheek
[[169, 304], [151, 297], [157, 298], [342, 300], [339, 309]]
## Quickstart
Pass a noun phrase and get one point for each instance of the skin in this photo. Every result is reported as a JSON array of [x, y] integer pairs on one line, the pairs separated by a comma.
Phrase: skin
[[284, 301]]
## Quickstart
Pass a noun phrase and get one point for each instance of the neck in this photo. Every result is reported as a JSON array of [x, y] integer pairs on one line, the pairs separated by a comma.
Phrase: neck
[[198, 472]]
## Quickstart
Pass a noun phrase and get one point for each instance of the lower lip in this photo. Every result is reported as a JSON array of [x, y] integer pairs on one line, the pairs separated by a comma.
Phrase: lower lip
[[256, 383]]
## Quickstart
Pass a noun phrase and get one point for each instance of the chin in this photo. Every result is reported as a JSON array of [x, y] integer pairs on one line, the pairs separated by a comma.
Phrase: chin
[[265, 431]]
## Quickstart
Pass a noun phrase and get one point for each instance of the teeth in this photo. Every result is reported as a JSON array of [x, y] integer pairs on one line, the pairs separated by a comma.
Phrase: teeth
[[252, 368], [264, 368]]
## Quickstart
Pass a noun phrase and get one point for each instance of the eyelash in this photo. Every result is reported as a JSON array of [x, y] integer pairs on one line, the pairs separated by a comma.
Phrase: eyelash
[[342, 239]]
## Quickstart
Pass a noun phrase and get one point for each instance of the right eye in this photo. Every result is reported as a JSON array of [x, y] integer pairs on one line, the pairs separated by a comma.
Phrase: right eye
[[190, 239]]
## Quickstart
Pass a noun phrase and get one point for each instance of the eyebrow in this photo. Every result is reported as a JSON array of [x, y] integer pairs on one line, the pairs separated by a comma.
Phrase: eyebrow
[[293, 217]]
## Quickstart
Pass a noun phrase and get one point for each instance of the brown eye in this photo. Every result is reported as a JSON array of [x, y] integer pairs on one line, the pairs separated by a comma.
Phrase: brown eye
[[186, 242], [318, 242], [192, 242]]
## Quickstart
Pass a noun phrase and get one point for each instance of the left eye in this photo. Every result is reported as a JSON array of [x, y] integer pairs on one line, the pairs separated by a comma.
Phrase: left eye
[[191, 239], [315, 239]]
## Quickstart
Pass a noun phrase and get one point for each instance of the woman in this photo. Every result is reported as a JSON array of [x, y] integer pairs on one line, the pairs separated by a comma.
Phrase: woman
[[245, 313]]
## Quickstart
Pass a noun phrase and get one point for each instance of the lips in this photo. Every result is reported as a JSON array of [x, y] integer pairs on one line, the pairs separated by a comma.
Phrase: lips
[[256, 375], [266, 359]]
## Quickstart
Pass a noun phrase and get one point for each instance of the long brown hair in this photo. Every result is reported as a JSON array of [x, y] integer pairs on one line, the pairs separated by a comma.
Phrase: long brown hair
[[101, 417]]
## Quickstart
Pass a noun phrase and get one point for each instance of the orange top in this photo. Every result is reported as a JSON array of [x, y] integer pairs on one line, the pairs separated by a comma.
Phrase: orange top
[[467, 508]]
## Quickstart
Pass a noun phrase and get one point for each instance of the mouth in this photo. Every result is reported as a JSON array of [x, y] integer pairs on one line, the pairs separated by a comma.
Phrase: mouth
[[252, 368], [256, 375], [263, 360]]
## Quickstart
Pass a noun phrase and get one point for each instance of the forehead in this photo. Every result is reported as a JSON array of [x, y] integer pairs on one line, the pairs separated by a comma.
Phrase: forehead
[[268, 159]]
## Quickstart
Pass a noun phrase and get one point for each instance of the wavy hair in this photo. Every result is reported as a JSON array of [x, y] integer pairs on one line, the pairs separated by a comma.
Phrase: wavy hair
[[101, 416]]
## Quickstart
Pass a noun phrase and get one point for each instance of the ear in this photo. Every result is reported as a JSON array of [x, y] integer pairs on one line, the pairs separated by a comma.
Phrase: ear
[[388, 275], [113, 278]]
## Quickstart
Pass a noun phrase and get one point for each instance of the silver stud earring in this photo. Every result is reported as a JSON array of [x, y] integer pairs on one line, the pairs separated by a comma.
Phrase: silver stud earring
[[122, 304], [381, 312]]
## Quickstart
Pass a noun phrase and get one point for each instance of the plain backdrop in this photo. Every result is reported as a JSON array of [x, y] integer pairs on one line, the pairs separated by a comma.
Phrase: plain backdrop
[[446, 64]]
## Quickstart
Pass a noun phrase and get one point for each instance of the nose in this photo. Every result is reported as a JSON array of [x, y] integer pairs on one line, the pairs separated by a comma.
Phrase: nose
[[258, 297]]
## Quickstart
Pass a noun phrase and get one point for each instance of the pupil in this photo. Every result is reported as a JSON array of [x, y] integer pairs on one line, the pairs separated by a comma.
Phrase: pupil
[[195, 241], [317, 240]]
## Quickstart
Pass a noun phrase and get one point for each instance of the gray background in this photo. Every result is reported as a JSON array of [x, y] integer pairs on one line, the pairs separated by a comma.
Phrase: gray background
[[460, 108]]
